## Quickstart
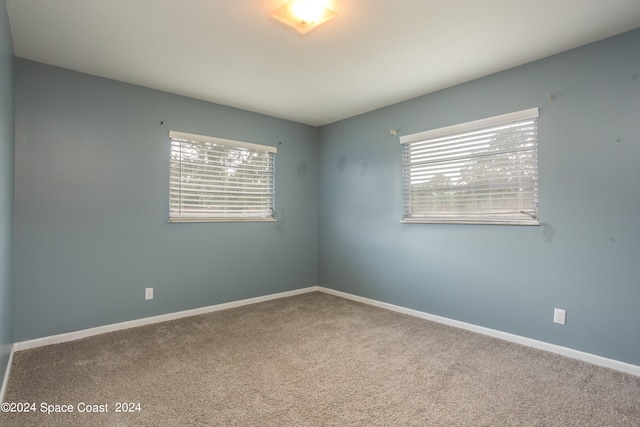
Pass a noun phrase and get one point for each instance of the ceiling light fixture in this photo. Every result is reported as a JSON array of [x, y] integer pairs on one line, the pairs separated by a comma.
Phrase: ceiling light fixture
[[304, 15]]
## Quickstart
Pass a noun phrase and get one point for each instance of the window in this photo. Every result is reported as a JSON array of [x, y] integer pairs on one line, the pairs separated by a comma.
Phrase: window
[[482, 172], [214, 179]]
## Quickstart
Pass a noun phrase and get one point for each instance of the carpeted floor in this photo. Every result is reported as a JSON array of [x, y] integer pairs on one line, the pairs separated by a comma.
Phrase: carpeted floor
[[313, 360]]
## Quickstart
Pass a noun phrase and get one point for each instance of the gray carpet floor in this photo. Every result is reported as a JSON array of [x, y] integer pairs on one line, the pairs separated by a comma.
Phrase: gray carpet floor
[[314, 360]]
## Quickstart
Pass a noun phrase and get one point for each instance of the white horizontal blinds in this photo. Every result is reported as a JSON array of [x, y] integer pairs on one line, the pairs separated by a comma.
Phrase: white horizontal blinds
[[484, 173], [218, 179]]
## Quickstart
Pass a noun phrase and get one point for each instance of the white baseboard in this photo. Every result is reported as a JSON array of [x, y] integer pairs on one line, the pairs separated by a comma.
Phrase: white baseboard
[[7, 372], [541, 345], [71, 336]]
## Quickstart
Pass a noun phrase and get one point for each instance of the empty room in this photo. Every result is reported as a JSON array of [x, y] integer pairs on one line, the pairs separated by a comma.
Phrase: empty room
[[319, 213]]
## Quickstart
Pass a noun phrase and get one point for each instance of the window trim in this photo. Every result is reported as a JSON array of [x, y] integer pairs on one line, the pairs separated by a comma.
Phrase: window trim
[[229, 143], [476, 125], [215, 140]]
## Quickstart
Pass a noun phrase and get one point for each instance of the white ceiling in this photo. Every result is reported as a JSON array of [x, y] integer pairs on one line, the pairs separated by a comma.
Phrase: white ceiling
[[375, 53]]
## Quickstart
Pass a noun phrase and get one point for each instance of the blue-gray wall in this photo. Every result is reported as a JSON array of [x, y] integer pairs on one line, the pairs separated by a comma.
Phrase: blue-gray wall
[[91, 206], [585, 257], [6, 189]]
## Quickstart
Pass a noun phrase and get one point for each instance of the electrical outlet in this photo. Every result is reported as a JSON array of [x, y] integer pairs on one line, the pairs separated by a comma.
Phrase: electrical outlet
[[148, 293], [559, 316]]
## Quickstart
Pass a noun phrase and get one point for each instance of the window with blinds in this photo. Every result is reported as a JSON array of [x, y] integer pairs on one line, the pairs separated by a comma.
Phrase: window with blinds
[[214, 179], [481, 172]]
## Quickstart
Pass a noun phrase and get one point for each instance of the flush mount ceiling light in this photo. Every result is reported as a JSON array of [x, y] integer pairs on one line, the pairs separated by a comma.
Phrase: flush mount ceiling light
[[303, 15]]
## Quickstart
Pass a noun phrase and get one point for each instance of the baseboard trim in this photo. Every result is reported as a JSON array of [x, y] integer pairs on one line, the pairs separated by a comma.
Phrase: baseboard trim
[[541, 345], [72, 336], [7, 372]]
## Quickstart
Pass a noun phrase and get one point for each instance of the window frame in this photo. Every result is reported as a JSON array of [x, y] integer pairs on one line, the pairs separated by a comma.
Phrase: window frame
[[529, 217], [221, 214]]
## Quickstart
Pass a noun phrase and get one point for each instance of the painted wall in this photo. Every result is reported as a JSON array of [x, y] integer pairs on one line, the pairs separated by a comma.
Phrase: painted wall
[[91, 206], [585, 257], [6, 189]]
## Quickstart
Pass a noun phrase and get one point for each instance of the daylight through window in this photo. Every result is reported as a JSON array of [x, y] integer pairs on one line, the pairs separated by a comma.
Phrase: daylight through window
[[482, 172], [214, 179]]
